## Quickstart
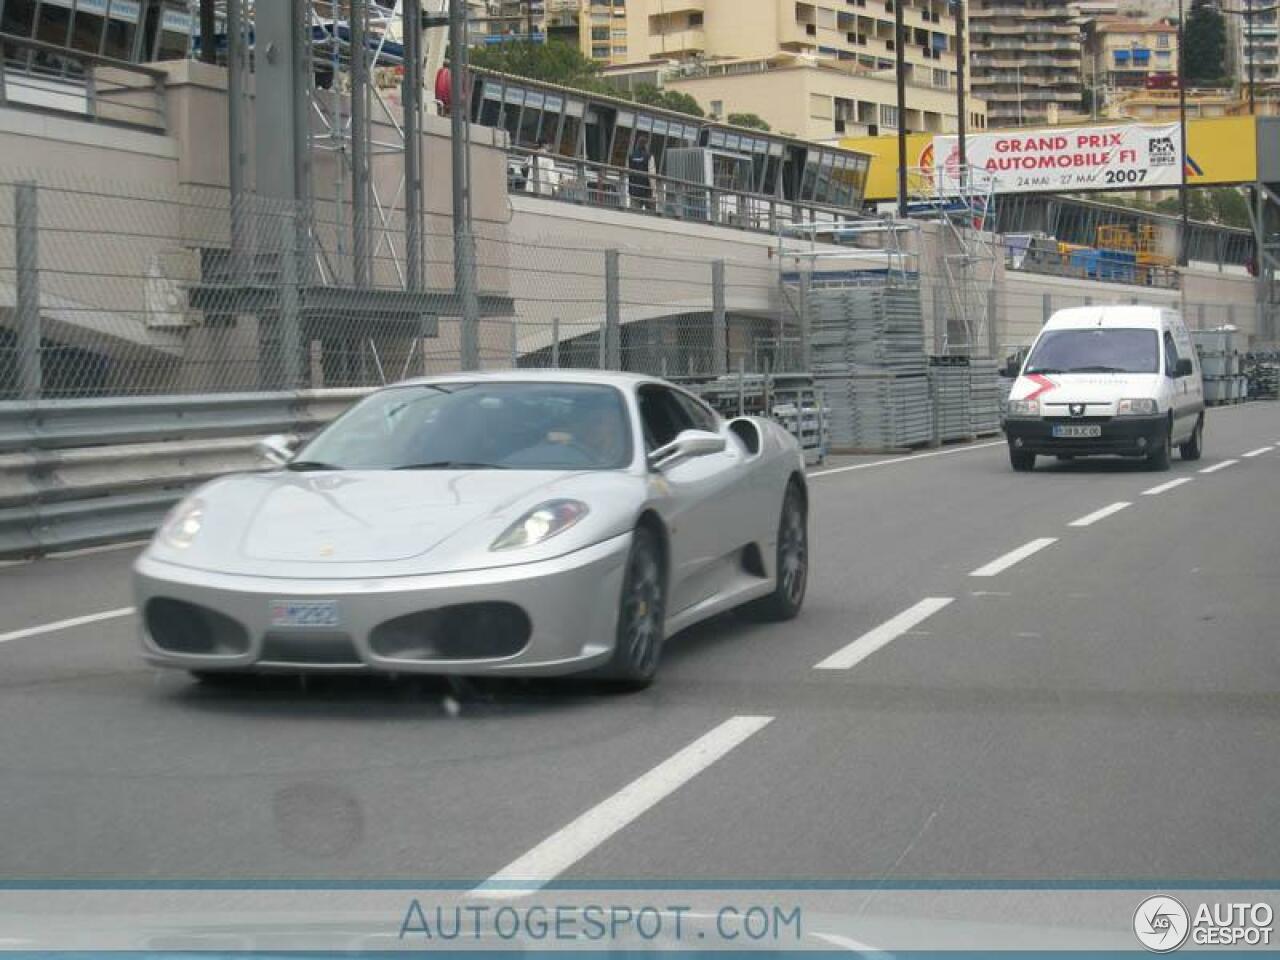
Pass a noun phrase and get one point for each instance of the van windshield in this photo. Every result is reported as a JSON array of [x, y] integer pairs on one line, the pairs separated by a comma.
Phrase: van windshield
[[1096, 350]]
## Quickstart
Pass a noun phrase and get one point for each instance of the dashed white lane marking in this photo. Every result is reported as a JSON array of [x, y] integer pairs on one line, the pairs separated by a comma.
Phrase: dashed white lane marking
[[888, 631], [1164, 487], [1090, 519], [1219, 466], [571, 843], [905, 459], [1001, 564], [66, 624], [1259, 452]]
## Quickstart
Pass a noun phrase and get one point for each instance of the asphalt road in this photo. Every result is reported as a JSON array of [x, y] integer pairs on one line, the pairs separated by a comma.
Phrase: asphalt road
[[1106, 707]]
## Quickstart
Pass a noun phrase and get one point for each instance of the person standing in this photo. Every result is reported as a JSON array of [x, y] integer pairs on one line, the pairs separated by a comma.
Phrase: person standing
[[639, 176]]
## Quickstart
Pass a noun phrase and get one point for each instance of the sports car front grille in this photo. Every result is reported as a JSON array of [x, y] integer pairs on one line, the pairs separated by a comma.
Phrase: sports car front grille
[[468, 631], [327, 649], [177, 626]]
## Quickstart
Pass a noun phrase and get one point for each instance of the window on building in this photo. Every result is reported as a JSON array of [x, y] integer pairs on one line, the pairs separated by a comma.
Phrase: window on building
[[695, 19], [888, 116], [1162, 40]]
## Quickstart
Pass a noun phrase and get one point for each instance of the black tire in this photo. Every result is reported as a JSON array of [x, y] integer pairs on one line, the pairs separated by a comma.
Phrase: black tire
[[641, 615], [1022, 461], [1192, 449], [1160, 458], [791, 562]]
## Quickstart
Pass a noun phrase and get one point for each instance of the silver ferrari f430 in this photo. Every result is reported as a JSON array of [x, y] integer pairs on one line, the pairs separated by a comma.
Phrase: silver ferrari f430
[[533, 523]]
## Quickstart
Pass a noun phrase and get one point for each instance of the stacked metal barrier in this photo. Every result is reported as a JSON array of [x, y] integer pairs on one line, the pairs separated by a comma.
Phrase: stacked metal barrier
[[986, 394], [1262, 370], [1222, 365], [949, 377], [867, 349], [793, 400]]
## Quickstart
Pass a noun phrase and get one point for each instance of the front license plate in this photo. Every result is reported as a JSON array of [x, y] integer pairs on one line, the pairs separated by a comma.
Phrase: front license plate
[[304, 613], [1077, 432]]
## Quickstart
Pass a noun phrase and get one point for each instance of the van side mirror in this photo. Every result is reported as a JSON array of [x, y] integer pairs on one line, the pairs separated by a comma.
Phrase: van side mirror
[[1183, 368]]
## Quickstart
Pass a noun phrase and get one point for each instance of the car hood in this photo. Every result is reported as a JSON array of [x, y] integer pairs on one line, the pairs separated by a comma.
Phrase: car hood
[[384, 523]]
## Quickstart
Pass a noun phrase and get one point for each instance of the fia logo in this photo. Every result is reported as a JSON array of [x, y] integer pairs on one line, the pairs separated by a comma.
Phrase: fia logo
[[1161, 152]]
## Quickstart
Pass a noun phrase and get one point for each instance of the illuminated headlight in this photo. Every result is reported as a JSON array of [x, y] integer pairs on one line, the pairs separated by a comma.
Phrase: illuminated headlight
[[183, 524], [1144, 407], [1024, 408], [541, 523]]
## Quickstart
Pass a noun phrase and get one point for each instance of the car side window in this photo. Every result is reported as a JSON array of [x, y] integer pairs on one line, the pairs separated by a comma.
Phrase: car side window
[[702, 417], [662, 415], [1170, 355]]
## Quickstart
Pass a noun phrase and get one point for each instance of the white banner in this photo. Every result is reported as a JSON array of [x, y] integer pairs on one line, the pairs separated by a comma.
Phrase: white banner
[[1066, 159]]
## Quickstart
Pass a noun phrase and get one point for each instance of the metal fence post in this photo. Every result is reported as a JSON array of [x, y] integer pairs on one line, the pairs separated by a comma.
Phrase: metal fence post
[[1046, 308], [719, 324], [290, 322], [30, 379], [613, 312], [555, 343], [515, 342], [806, 282]]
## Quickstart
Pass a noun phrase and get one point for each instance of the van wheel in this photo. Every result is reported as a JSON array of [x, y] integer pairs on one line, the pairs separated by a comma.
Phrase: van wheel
[[1159, 458], [1022, 461], [1192, 448]]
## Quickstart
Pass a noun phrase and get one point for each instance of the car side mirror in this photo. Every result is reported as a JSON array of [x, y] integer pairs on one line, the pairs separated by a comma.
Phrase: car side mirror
[[686, 446], [278, 448], [1183, 368]]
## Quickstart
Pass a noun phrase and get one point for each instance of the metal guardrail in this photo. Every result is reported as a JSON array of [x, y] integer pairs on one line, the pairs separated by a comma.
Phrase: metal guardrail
[[76, 473], [51, 77], [588, 183]]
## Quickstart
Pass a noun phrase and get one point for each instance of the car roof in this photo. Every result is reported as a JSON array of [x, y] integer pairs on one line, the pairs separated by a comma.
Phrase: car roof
[[1114, 315], [596, 377]]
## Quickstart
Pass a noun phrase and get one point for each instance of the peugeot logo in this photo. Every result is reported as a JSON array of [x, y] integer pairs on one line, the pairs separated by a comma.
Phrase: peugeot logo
[[1077, 409]]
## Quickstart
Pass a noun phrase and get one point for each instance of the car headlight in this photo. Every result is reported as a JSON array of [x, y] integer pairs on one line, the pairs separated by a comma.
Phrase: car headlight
[[1143, 407], [183, 524], [541, 523], [1024, 408]]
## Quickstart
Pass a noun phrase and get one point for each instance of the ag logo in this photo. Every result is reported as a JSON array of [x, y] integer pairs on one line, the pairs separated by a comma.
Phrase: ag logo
[[1161, 924]]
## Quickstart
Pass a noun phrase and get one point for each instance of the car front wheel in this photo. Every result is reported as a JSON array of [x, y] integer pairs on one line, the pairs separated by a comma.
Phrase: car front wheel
[[641, 614]]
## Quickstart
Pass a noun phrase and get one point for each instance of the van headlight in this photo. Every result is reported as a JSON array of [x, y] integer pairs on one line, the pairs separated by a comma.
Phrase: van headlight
[[1138, 407], [541, 523], [1024, 408]]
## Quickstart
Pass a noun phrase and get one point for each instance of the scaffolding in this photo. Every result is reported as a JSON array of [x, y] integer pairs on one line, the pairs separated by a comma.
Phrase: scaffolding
[[961, 199]]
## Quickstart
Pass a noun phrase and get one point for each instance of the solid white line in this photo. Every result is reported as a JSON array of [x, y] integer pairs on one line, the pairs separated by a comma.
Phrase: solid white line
[[1259, 452], [873, 640], [911, 458], [66, 624], [1219, 466], [1165, 486], [1092, 518], [1001, 564], [570, 844]]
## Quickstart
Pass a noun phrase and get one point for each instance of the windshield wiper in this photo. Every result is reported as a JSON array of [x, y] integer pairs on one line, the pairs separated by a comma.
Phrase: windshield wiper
[[309, 466], [1043, 370], [452, 465], [1097, 368]]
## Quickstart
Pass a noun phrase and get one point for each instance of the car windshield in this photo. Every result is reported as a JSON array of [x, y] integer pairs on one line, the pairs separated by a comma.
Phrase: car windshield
[[484, 425], [1096, 350]]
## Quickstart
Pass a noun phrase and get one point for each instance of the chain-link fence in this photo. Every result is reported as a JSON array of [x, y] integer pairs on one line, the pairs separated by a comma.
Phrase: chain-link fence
[[112, 290]]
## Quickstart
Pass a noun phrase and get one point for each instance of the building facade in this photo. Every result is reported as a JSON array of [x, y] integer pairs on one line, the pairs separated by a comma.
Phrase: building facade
[[1124, 54], [1256, 36], [1026, 59]]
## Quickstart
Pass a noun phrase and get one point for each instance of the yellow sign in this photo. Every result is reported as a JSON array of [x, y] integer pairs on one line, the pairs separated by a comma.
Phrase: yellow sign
[[1220, 150]]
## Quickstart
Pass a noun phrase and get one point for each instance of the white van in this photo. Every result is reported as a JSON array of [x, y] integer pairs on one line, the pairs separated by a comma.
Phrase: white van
[[1119, 380]]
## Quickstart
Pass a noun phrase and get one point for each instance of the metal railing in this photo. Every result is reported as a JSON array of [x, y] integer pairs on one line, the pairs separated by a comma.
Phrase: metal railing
[[57, 79], [588, 183], [1098, 267]]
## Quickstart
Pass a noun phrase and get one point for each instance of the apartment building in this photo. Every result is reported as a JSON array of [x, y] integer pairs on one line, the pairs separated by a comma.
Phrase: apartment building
[[603, 30], [1026, 57], [1123, 53], [1256, 34]]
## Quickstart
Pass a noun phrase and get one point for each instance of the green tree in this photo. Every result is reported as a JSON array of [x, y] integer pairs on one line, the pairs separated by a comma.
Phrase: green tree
[[752, 121], [1205, 44], [1232, 208], [667, 100], [554, 62]]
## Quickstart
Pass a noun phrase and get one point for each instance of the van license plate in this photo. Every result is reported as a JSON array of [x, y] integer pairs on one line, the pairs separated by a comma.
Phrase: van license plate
[[304, 613], [1082, 431]]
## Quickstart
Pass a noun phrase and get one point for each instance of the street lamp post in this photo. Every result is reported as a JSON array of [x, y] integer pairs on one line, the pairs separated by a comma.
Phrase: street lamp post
[[900, 56], [1182, 132], [961, 108]]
